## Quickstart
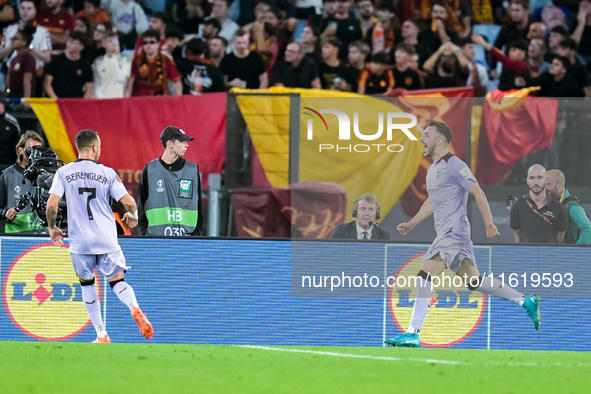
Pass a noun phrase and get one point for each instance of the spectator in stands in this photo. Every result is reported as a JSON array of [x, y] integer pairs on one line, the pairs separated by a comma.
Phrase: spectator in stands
[[243, 13], [217, 49], [382, 37], [129, 20], [367, 16], [410, 35], [174, 38], [284, 28], [439, 32], [69, 75], [158, 22], [404, 76], [151, 70], [478, 76], [376, 78], [518, 25], [82, 25], [553, 15], [342, 25], [41, 44], [582, 33], [200, 75], [556, 82], [535, 57], [310, 40], [358, 52], [259, 13], [514, 65], [329, 7], [459, 16], [7, 14], [93, 12], [266, 44], [333, 75], [243, 68], [557, 34], [20, 78], [110, 70], [414, 64], [95, 49], [210, 28], [445, 69], [296, 70], [57, 21], [220, 11], [537, 30], [191, 16], [579, 73]]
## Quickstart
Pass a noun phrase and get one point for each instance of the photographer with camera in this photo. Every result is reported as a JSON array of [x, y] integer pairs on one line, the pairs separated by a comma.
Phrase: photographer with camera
[[13, 187]]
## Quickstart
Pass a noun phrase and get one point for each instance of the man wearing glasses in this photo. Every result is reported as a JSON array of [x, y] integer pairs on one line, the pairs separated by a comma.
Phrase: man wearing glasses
[[151, 70], [296, 70]]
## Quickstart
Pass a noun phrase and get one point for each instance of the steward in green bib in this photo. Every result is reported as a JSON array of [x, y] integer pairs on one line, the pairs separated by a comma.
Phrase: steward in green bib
[[170, 190], [15, 218]]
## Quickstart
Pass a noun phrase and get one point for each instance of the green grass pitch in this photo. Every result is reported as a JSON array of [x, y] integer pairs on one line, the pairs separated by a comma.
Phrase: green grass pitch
[[52, 367]]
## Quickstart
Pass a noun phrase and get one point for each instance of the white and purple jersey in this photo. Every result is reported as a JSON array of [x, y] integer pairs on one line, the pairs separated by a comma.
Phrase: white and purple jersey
[[448, 182], [87, 186]]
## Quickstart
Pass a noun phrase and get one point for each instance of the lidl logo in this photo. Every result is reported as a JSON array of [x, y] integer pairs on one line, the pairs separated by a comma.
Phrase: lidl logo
[[454, 314], [42, 294]]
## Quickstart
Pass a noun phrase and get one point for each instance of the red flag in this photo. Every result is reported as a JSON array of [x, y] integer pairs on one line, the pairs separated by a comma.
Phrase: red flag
[[130, 128], [508, 135]]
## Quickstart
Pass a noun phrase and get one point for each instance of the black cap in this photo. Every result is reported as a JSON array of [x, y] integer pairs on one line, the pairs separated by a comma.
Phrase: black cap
[[174, 133]]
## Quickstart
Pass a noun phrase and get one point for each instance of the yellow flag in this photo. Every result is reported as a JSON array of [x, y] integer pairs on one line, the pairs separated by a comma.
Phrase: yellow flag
[[49, 116], [369, 155]]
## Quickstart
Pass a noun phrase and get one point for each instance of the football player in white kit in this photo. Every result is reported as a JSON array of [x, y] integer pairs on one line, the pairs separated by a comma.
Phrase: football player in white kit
[[92, 232]]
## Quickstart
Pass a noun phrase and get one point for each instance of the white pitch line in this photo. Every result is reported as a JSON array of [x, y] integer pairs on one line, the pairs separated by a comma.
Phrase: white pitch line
[[418, 360], [349, 355]]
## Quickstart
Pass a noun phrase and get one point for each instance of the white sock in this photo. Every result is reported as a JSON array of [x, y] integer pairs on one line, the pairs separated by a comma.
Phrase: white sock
[[125, 294], [495, 288], [421, 305], [93, 307]]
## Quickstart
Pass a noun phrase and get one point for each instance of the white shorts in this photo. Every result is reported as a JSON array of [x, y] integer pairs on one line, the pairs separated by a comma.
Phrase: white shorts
[[109, 264]]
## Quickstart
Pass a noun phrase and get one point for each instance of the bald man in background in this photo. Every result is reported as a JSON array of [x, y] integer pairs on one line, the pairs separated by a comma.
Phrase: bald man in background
[[536, 217], [579, 226]]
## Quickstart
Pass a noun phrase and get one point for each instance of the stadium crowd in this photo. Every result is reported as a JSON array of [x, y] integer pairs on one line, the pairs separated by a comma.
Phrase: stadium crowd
[[122, 48]]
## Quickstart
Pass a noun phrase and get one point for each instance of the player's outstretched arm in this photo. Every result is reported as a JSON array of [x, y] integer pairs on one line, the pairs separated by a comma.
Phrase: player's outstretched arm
[[425, 211], [482, 202], [57, 235], [131, 216]]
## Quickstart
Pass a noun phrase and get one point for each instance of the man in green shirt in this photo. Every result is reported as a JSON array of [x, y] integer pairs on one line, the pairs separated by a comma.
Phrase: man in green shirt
[[579, 229]]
